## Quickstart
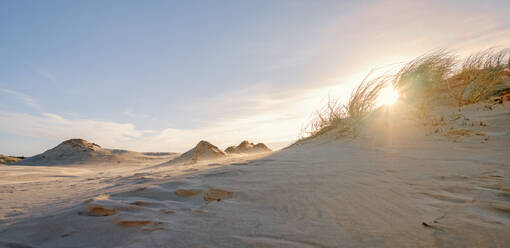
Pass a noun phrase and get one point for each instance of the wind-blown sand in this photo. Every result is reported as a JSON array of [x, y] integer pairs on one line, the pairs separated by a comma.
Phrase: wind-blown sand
[[399, 184]]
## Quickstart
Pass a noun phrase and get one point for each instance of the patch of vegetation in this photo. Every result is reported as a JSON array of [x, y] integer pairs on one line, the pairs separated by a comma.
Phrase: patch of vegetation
[[480, 77], [345, 118], [435, 79]]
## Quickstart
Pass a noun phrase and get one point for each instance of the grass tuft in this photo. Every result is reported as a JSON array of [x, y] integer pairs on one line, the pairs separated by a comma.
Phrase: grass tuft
[[436, 78], [423, 79], [345, 118], [480, 76]]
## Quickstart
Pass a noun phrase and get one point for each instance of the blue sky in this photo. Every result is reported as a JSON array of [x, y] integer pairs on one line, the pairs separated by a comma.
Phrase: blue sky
[[162, 75]]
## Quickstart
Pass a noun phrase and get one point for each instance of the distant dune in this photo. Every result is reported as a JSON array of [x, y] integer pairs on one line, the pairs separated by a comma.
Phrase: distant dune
[[202, 151], [247, 147], [80, 151]]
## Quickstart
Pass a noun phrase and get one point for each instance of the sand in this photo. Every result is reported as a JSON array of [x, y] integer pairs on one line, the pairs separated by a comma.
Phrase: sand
[[79, 151], [203, 151], [247, 147], [402, 183]]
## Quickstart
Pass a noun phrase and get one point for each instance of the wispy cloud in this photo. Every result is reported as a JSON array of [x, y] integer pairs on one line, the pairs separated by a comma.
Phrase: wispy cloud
[[24, 98], [128, 112], [56, 128], [43, 72]]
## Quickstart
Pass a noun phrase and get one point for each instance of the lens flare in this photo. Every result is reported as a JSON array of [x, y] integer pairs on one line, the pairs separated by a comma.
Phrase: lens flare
[[388, 96]]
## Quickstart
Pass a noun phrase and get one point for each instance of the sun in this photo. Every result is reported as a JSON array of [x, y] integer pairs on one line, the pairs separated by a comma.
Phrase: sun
[[388, 96]]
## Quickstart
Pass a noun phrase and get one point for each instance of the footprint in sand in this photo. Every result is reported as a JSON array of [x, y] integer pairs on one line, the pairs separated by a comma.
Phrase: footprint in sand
[[166, 199], [104, 206], [97, 210], [213, 194], [187, 192]]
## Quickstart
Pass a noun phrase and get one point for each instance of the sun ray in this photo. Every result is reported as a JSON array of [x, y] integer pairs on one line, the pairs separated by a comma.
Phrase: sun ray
[[388, 96]]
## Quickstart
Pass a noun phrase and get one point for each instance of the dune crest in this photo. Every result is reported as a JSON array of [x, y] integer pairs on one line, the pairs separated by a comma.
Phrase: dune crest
[[202, 151], [72, 151], [80, 151], [247, 147]]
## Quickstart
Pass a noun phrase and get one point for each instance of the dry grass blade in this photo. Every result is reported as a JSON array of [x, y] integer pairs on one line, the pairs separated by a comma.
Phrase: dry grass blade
[[363, 98], [479, 76], [345, 118], [436, 78], [424, 78], [324, 118]]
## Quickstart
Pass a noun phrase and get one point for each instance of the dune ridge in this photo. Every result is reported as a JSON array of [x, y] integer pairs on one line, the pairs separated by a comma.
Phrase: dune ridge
[[202, 151], [247, 147], [80, 151]]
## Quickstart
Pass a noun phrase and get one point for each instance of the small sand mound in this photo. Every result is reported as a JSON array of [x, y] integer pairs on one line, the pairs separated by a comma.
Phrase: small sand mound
[[102, 205], [247, 147], [146, 225], [202, 151], [217, 195], [97, 210], [187, 192], [261, 147]]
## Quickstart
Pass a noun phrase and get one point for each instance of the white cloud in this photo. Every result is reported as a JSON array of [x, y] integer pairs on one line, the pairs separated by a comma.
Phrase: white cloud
[[52, 126], [55, 128], [43, 72], [24, 98]]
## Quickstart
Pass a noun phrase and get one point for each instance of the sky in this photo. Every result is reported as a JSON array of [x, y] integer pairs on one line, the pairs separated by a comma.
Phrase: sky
[[163, 75]]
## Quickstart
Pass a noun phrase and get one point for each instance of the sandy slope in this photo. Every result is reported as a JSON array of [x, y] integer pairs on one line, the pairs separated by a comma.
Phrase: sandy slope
[[247, 147], [79, 151], [35, 190], [400, 184], [202, 151]]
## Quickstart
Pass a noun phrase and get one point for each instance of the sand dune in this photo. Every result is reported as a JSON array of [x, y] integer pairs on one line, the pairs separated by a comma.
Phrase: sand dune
[[79, 151], [202, 151], [399, 184], [247, 147]]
